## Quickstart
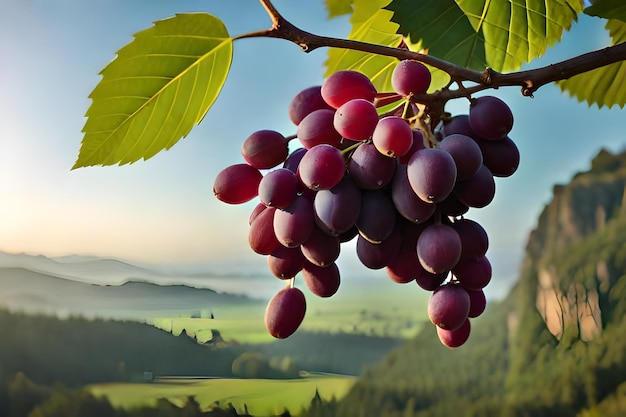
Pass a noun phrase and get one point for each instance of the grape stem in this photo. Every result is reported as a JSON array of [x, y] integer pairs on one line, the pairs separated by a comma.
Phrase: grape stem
[[529, 80]]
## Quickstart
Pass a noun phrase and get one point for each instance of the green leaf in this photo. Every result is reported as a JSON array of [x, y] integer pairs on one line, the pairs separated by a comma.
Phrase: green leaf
[[609, 9], [338, 8], [441, 26], [517, 31], [603, 86], [369, 24], [157, 88]]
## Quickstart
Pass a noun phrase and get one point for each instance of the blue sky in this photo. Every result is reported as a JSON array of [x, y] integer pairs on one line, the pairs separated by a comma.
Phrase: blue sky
[[163, 210]]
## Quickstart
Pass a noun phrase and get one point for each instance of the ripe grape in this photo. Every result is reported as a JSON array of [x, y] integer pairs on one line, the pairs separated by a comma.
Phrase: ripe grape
[[377, 216], [294, 225], [261, 236], [410, 78], [392, 136], [407, 203], [474, 273], [278, 188], [237, 184], [379, 255], [343, 86], [416, 145], [285, 262], [370, 169], [478, 302], [306, 102], [337, 209], [293, 160], [474, 239], [285, 312], [322, 167], [490, 117], [256, 211], [321, 281], [320, 248], [465, 152], [438, 248], [449, 306], [478, 190], [432, 174], [317, 127], [500, 156], [356, 119], [265, 149], [454, 338]]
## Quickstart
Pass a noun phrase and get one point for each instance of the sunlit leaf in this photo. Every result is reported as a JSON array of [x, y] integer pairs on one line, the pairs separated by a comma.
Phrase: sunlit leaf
[[156, 89], [371, 23], [517, 31], [604, 86], [609, 9], [442, 27], [337, 8]]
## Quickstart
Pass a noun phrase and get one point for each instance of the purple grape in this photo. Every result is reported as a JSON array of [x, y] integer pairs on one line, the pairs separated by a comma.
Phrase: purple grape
[[410, 78], [237, 184], [500, 156], [348, 235], [377, 216], [392, 136], [278, 188], [432, 174], [449, 306], [294, 225], [378, 256], [265, 149], [256, 211], [451, 206], [478, 190], [454, 338], [293, 160], [490, 117], [356, 120], [407, 203], [322, 167], [337, 209], [285, 262], [438, 248], [343, 86], [369, 169], [261, 236], [428, 281], [458, 125], [317, 128], [465, 152], [320, 248], [474, 239], [416, 145], [478, 302], [306, 102], [321, 281], [473, 274], [285, 312]]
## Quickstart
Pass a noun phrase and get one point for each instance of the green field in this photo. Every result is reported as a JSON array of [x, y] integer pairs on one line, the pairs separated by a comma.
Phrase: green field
[[261, 396], [398, 313]]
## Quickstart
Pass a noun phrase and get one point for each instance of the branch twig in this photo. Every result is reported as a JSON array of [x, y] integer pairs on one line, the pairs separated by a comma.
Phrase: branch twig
[[529, 80]]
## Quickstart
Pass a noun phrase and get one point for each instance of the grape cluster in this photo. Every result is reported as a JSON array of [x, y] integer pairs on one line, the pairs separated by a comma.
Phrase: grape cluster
[[400, 191]]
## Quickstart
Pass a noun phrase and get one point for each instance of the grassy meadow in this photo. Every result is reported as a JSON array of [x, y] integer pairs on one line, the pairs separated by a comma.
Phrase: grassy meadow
[[261, 396]]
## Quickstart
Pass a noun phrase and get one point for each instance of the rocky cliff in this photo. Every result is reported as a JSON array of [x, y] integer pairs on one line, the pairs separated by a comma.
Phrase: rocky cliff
[[572, 284]]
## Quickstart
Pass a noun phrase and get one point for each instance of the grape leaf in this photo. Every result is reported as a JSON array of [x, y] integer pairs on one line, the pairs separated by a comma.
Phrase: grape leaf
[[442, 27], [609, 9], [156, 89], [517, 31], [338, 8], [371, 23], [603, 86]]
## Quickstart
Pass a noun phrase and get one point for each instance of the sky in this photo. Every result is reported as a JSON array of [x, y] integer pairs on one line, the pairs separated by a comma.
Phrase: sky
[[163, 210]]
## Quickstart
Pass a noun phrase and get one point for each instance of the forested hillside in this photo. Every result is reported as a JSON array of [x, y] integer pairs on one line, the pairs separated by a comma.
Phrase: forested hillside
[[554, 347]]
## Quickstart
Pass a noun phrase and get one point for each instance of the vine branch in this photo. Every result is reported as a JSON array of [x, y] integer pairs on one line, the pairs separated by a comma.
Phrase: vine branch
[[529, 80]]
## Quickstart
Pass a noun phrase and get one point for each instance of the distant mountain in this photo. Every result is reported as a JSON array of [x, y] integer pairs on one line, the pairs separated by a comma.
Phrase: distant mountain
[[555, 346]]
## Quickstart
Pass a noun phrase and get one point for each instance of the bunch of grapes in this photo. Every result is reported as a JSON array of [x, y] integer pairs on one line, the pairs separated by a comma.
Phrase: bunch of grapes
[[401, 191]]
